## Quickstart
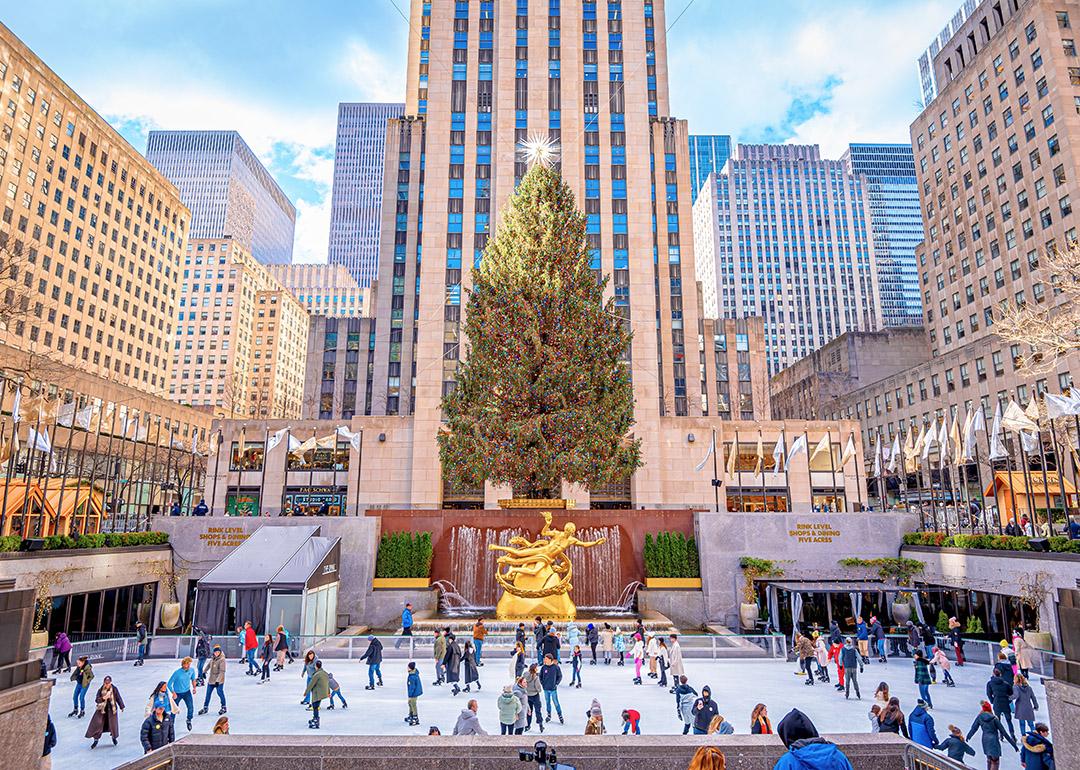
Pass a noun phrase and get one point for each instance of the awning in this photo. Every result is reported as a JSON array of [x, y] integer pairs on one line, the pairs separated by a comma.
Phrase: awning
[[828, 586], [317, 555], [1015, 481], [258, 560]]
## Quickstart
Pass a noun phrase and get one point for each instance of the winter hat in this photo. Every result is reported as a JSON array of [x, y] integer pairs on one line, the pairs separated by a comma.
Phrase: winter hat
[[371, 637], [1004, 643], [507, 689], [595, 711], [920, 702], [796, 726]]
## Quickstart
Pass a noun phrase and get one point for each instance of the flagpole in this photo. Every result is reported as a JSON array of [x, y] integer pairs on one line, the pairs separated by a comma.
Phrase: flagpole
[[716, 489], [360, 456], [191, 475], [1046, 483], [11, 458], [265, 460], [982, 489], [143, 481], [859, 477], [787, 478], [314, 453], [901, 485], [217, 470], [1027, 484], [79, 472], [879, 458], [832, 470], [993, 473], [63, 471], [285, 474], [761, 460], [1009, 470], [108, 460], [809, 473], [131, 471], [29, 467], [738, 473]]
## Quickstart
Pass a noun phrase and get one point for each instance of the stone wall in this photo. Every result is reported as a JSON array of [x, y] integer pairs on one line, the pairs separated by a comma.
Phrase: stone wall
[[684, 608], [810, 544], [999, 572], [1063, 707], [607, 752]]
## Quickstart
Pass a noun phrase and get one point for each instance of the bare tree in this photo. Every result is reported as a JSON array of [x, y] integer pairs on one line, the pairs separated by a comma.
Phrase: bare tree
[[1050, 329], [17, 261]]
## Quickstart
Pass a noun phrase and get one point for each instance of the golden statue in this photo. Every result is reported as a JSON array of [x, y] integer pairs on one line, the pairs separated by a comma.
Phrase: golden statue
[[535, 576]]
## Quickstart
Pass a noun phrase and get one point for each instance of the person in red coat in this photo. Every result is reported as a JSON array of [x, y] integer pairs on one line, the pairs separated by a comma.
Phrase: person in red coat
[[251, 643]]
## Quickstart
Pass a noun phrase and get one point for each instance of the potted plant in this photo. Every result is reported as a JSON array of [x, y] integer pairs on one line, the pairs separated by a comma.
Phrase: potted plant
[[46, 579], [897, 572], [753, 569], [671, 561], [403, 560], [1034, 590], [169, 614]]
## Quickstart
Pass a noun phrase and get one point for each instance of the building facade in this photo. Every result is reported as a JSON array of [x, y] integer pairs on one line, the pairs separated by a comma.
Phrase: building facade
[[708, 154], [241, 342], [356, 200], [322, 289], [996, 158], [821, 382], [888, 172], [786, 235], [928, 78], [228, 190], [91, 235]]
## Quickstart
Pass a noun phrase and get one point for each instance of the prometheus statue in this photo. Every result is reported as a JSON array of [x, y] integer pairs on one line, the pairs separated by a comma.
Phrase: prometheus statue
[[535, 576]]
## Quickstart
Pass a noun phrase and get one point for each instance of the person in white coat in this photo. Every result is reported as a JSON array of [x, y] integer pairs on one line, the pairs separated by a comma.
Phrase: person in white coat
[[675, 662], [652, 651], [638, 654]]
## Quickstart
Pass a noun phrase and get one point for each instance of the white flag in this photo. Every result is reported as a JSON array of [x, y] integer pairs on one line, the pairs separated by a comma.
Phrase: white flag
[[697, 468], [778, 454], [997, 446], [85, 417], [1062, 406], [1015, 419], [65, 415], [39, 441], [275, 439], [926, 440], [355, 438], [877, 456], [894, 455], [16, 406], [943, 437], [798, 445], [294, 444], [822, 446], [849, 451]]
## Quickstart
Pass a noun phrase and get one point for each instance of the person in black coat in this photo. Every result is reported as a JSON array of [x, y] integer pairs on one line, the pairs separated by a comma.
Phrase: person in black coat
[[592, 637], [877, 633], [373, 656], [704, 710], [468, 660], [550, 645], [999, 692], [50, 736], [157, 730], [452, 662]]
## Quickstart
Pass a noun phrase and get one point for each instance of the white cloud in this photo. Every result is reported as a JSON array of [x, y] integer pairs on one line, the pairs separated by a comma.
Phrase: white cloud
[[868, 52], [312, 230], [378, 77]]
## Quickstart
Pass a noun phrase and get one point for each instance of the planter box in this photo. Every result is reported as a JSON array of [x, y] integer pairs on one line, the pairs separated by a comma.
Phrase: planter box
[[693, 584], [399, 583]]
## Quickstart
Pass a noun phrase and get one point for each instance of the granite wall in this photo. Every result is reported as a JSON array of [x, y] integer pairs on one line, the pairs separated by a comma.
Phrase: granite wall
[[809, 544], [1063, 706], [608, 752]]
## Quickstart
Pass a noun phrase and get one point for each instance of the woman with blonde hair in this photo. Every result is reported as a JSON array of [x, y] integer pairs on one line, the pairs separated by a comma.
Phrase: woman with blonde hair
[[221, 727], [708, 758], [718, 726]]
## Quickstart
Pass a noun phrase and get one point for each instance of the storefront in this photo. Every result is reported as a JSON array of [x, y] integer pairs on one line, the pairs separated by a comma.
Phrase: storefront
[[280, 575], [315, 501], [758, 500], [114, 610], [243, 501]]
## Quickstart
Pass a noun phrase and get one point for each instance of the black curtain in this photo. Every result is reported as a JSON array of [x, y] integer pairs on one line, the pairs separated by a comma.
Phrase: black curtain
[[251, 605], [211, 608]]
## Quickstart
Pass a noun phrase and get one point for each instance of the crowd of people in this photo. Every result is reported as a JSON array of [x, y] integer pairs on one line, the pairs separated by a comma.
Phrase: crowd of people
[[529, 685]]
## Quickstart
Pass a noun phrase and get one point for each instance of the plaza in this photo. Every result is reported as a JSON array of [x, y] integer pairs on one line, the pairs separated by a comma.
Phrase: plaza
[[737, 686]]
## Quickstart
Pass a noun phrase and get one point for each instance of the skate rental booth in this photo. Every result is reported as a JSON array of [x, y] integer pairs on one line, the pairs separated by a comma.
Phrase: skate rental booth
[[279, 576]]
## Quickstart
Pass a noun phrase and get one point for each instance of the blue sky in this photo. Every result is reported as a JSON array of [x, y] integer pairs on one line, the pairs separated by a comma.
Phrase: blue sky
[[825, 71]]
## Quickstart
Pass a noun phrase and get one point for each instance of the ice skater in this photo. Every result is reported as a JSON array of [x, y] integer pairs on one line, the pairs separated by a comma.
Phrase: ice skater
[[550, 677], [532, 693], [413, 690], [318, 689], [944, 664], [619, 645], [592, 638], [662, 661], [638, 654], [575, 666], [452, 662], [82, 676], [438, 652], [215, 680], [472, 671], [266, 655], [335, 692], [373, 656]]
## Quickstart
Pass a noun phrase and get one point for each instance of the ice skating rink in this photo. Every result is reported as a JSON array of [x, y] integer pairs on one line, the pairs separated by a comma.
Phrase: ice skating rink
[[274, 707]]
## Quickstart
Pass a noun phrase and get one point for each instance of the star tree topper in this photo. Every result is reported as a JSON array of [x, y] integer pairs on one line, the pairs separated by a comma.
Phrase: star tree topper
[[538, 148]]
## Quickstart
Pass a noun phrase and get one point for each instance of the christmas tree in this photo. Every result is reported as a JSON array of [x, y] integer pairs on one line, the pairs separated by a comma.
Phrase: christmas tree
[[543, 393]]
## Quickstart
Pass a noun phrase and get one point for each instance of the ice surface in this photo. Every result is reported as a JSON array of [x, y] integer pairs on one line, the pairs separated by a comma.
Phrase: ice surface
[[737, 685]]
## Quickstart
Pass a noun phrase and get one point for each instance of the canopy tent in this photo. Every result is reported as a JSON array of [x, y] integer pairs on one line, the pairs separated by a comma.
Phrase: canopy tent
[[58, 502], [1009, 484], [293, 564]]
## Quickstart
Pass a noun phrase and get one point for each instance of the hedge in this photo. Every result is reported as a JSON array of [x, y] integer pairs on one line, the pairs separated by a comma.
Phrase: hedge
[[671, 555], [100, 540], [1058, 543], [404, 555]]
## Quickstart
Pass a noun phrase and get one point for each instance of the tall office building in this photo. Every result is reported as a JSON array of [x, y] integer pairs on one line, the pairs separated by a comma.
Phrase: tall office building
[[997, 157], [888, 172], [785, 235], [241, 340], [328, 290], [708, 154], [229, 191], [356, 202], [928, 77]]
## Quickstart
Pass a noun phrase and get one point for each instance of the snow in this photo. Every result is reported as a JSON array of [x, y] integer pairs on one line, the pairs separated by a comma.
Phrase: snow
[[737, 685]]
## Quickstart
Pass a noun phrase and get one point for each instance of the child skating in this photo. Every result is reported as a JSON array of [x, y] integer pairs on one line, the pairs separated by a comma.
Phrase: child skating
[[575, 663]]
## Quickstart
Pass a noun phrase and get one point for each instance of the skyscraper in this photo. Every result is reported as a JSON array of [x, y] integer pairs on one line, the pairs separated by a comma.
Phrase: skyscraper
[[785, 235], [928, 77], [356, 203], [230, 193], [708, 154], [888, 172]]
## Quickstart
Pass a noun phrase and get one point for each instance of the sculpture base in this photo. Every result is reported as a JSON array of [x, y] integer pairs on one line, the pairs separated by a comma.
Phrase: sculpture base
[[557, 607]]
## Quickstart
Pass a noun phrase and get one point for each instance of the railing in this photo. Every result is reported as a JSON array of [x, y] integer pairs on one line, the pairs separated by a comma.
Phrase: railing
[[695, 646], [918, 757], [976, 651]]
